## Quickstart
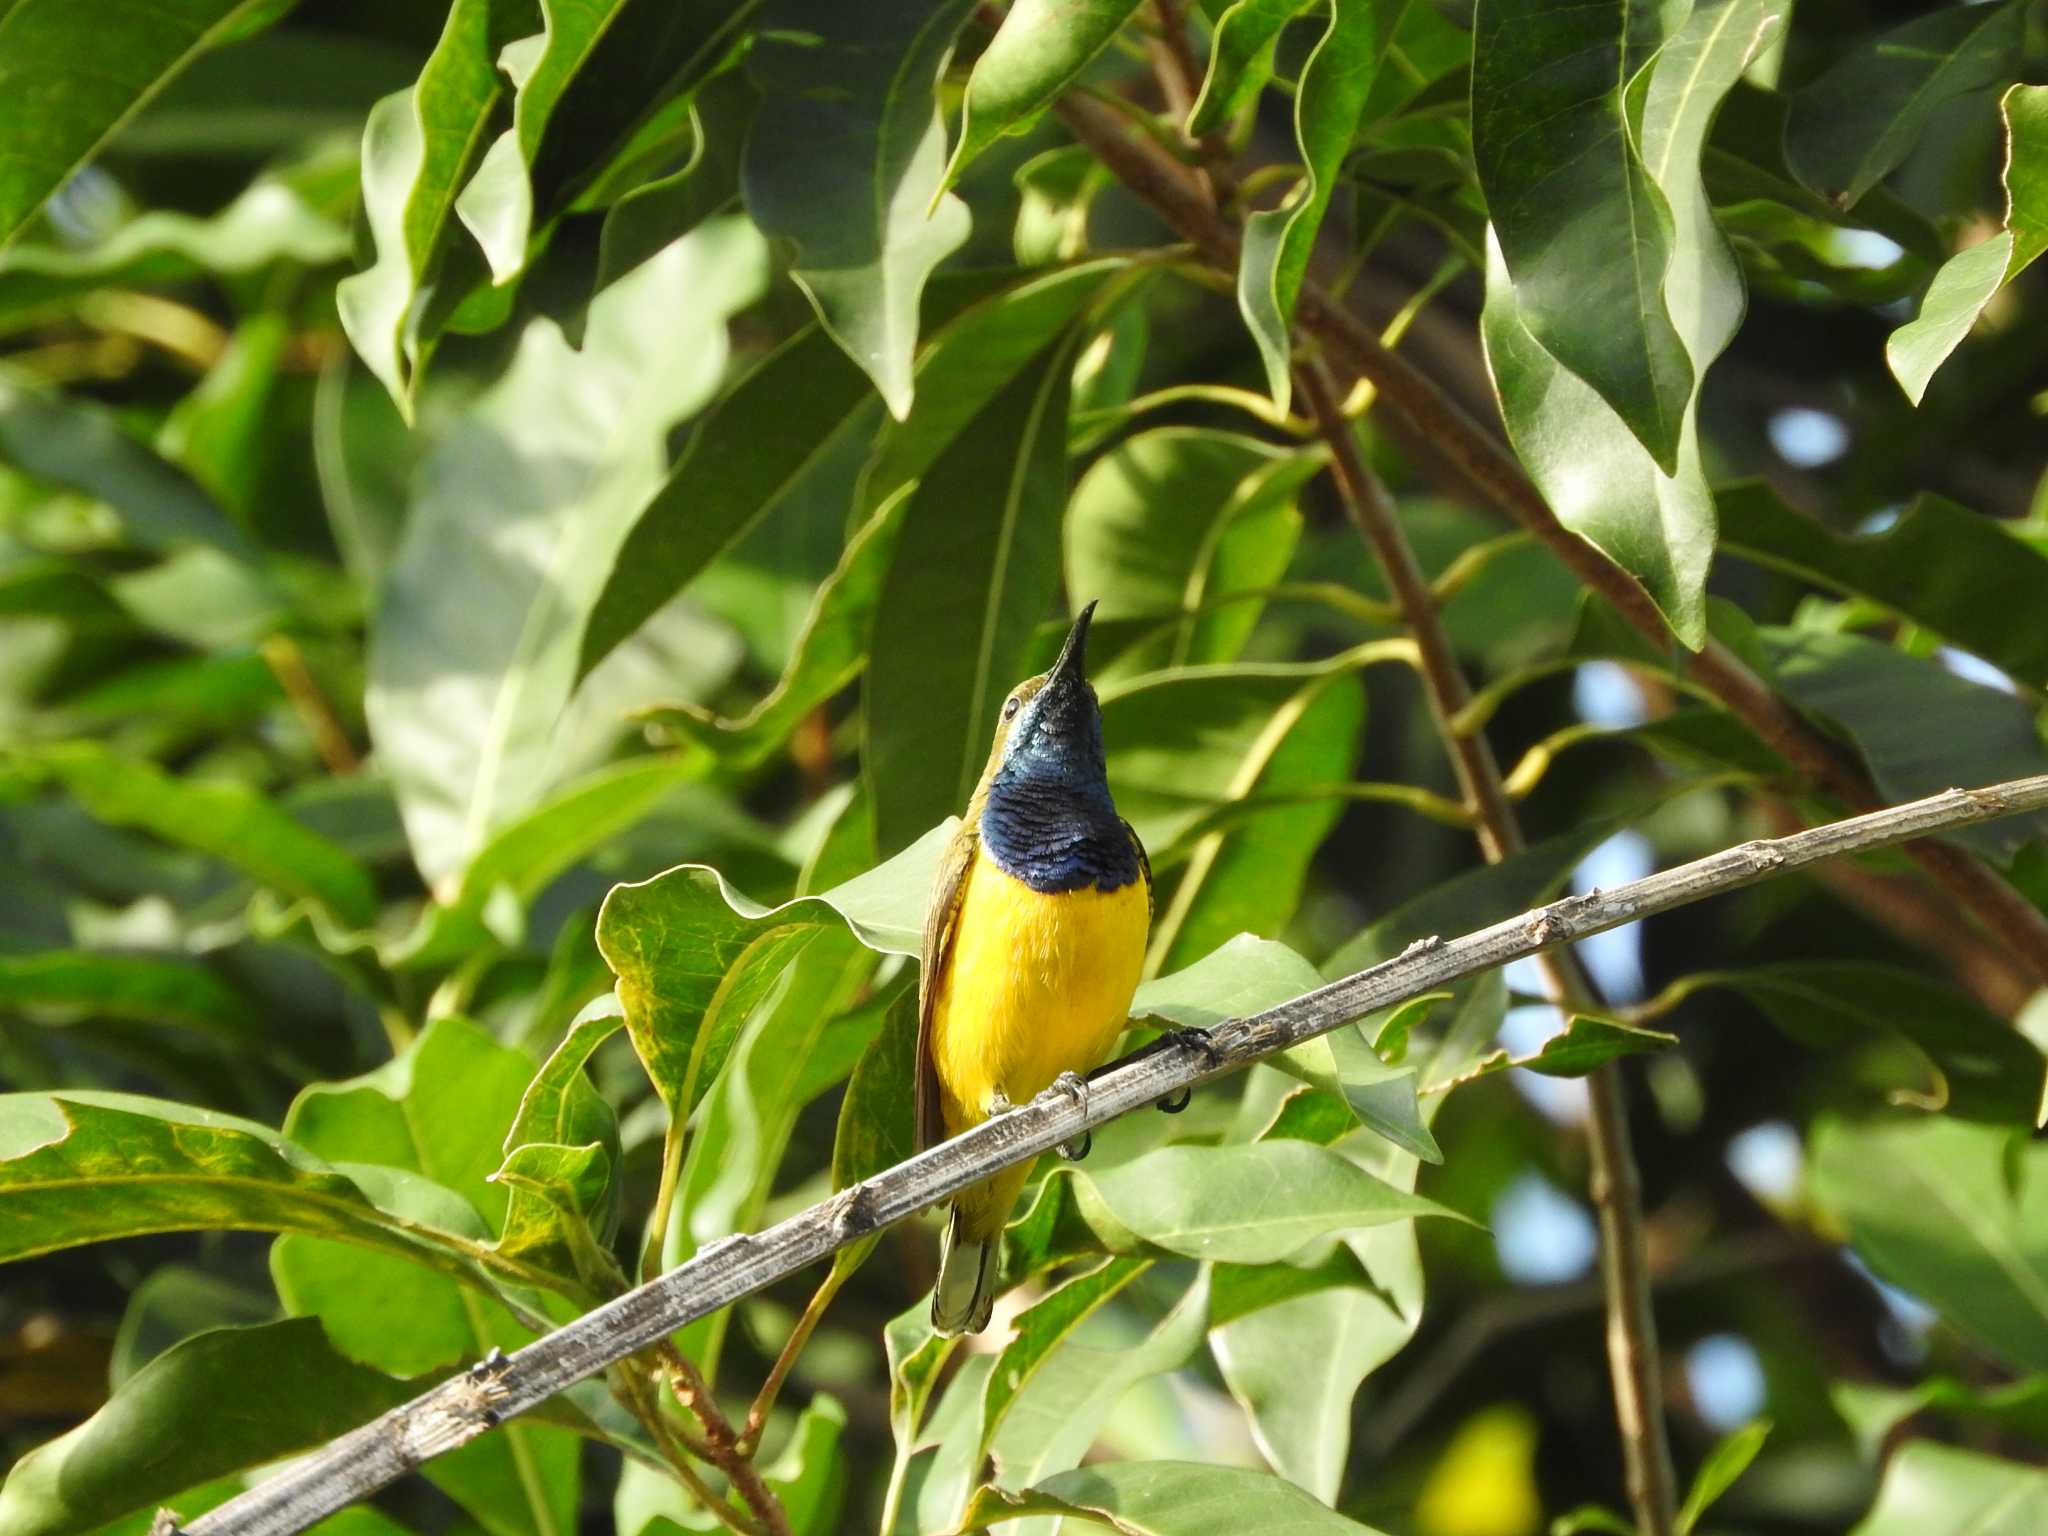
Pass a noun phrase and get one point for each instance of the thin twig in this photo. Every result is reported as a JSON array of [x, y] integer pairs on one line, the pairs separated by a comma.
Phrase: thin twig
[[676, 1452], [799, 1336], [1431, 422], [1632, 1352], [287, 663], [720, 1445], [461, 1409]]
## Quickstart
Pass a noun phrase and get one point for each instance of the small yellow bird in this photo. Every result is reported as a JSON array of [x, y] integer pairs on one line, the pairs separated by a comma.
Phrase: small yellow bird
[[1032, 946]]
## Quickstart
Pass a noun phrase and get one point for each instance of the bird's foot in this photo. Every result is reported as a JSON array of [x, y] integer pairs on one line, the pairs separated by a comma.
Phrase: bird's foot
[[1195, 1039], [1075, 1087], [999, 1104]]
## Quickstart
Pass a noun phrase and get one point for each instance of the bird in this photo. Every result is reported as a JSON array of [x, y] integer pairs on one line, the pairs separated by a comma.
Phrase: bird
[[1034, 938]]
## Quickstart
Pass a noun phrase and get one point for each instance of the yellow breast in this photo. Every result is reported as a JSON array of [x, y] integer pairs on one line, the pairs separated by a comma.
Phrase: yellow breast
[[1034, 985]]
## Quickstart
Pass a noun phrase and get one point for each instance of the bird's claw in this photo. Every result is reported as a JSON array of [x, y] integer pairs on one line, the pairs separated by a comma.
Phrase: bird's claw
[[1196, 1039], [1075, 1087]]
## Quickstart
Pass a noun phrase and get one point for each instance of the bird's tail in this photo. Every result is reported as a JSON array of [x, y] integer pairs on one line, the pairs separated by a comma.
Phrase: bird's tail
[[966, 1292]]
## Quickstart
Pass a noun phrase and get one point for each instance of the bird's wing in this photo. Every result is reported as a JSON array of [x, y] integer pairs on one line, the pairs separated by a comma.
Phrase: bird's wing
[[1145, 867], [947, 884]]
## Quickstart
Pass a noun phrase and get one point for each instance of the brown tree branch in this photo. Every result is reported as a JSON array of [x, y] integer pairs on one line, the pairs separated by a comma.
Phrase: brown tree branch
[[1632, 1356], [1429, 421], [471, 1404]]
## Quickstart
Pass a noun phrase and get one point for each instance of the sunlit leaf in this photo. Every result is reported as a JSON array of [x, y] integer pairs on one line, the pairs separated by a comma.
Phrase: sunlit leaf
[[1717, 1474], [1967, 282], [531, 495], [1938, 1490], [1166, 1498], [1278, 242], [1929, 1205], [1240, 61]]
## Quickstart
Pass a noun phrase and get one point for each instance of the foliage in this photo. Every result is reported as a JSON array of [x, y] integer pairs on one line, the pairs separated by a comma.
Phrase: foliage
[[516, 521]]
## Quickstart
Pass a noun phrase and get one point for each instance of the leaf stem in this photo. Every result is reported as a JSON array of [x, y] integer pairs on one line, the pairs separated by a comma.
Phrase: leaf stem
[[799, 1336]]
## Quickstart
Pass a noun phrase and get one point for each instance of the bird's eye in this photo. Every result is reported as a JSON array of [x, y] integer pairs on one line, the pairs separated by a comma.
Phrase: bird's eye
[[1010, 708]]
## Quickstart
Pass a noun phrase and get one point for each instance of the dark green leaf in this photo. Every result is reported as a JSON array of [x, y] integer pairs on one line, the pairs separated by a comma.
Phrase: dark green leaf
[[1037, 52], [1922, 729], [419, 146], [1588, 1041], [1955, 571], [846, 159], [1967, 282], [598, 72], [81, 448], [1166, 1498], [74, 81], [987, 514], [1586, 233], [1872, 1413], [227, 820], [1849, 128], [1328, 103], [556, 460], [64, 986], [164, 1431], [808, 1475], [1929, 1205]]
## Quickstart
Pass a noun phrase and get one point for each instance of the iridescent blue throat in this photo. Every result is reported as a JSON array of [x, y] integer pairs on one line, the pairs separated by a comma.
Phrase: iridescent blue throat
[[1056, 835]]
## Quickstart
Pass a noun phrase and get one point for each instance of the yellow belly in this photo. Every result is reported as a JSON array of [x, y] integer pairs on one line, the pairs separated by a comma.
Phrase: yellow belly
[[1035, 985]]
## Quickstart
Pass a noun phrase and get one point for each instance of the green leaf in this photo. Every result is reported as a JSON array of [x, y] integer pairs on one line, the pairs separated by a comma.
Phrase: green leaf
[[419, 146], [675, 940], [1176, 518], [1328, 105], [1967, 282], [830, 652], [271, 222], [1592, 1517], [808, 1475], [1727, 1461], [1244, 976], [987, 513], [1937, 1490], [1189, 743], [1057, 1413], [163, 1431], [1921, 728], [1166, 1498], [226, 820], [559, 1155], [1585, 232], [599, 70], [846, 159], [1943, 566], [765, 441], [64, 986], [1849, 128], [1039, 50], [86, 1167], [1258, 1203], [75, 81], [1955, 1213], [1872, 1413], [531, 496], [82, 448], [440, 1111], [1982, 1069], [1587, 1042], [1240, 61], [1295, 1367], [745, 1122], [1039, 1334], [876, 1117], [1648, 508]]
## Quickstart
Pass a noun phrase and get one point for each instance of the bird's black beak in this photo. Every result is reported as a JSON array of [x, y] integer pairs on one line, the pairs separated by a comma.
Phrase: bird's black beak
[[1072, 666]]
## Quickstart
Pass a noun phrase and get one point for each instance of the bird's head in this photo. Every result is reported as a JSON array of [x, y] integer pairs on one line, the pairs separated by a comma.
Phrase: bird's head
[[1050, 728]]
